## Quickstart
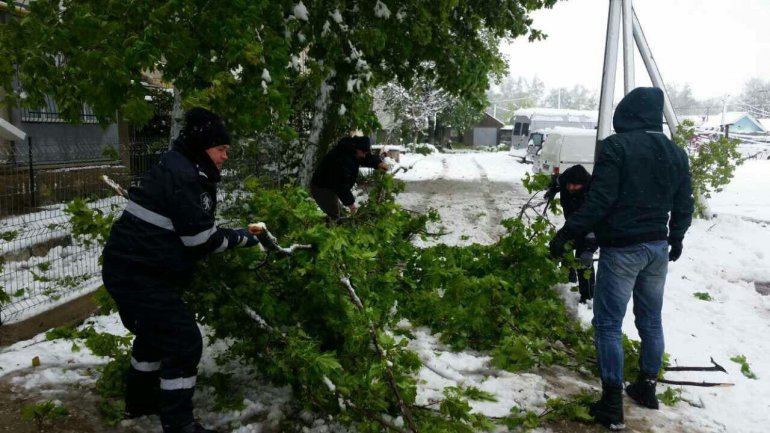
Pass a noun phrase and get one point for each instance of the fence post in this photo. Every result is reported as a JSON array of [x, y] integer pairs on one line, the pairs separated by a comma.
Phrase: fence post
[[32, 194]]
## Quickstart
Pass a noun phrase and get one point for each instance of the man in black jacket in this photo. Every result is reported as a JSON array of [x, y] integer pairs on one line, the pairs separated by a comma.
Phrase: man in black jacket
[[640, 205], [167, 225], [572, 187], [333, 180]]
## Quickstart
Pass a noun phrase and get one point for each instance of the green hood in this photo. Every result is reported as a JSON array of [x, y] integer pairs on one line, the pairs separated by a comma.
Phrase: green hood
[[641, 109]]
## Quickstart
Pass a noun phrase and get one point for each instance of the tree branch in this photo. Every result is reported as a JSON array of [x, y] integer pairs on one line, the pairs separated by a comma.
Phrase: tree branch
[[373, 335]]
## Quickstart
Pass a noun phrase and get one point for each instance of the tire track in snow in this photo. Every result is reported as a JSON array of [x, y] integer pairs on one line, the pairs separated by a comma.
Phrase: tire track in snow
[[494, 214]]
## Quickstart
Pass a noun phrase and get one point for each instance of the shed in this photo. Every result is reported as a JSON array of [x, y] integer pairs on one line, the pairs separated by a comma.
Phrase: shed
[[485, 132]]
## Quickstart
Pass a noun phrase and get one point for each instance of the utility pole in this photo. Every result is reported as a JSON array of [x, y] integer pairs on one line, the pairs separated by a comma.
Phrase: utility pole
[[622, 16], [623, 10], [628, 46]]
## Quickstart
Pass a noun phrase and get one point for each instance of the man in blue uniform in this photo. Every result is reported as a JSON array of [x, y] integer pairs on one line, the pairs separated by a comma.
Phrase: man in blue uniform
[[640, 205], [167, 225]]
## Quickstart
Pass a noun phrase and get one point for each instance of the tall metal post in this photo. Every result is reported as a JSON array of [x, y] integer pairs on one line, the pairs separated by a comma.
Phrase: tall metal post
[[32, 198], [608, 76], [652, 69], [628, 46]]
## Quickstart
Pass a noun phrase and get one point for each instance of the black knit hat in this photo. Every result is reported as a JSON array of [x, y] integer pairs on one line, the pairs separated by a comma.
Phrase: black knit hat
[[576, 174], [203, 130], [362, 143]]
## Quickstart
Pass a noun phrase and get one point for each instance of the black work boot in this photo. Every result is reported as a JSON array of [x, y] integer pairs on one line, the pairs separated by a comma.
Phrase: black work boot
[[190, 428], [132, 412], [643, 391], [608, 411]]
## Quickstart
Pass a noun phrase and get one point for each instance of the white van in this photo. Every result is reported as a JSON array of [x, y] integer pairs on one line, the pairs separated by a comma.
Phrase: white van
[[565, 147]]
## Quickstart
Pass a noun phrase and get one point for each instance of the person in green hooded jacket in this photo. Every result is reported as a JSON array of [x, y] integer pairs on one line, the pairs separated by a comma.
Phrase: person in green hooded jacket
[[640, 205]]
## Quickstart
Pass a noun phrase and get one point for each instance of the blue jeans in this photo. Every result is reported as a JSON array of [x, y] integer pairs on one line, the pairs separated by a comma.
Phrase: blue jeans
[[639, 269]]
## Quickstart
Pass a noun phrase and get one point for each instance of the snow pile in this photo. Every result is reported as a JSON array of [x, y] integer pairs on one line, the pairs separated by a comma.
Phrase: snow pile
[[381, 10], [300, 11]]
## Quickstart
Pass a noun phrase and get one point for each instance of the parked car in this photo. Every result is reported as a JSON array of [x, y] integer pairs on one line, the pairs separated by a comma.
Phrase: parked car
[[565, 147]]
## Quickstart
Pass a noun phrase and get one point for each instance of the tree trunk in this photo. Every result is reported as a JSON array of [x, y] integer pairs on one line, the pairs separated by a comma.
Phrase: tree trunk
[[177, 116], [432, 130], [318, 141]]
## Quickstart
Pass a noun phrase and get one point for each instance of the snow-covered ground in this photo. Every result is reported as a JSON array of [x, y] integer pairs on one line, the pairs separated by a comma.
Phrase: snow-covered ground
[[726, 257]]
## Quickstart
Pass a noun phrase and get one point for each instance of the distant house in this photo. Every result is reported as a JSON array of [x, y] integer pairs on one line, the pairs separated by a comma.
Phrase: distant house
[[53, 140], [485, 132], [739, 122], [765, 123]]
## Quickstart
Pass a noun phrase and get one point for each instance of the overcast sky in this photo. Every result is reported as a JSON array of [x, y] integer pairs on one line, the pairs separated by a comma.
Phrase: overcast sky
[[714, 45]]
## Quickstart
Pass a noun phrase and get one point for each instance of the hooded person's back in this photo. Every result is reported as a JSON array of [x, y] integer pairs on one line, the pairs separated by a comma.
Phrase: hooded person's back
[[639, 177]]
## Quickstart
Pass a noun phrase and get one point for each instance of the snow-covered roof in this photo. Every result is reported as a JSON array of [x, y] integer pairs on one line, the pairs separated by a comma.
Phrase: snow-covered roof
[[10, 132], [566, 130], [507, 128], [714, 121], [556, 114], [765, 123], [495, 119]]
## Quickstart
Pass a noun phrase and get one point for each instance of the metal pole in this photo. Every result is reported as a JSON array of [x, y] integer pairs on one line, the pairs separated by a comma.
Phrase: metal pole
[[608, 76], [628, 46], [652, 69], [31, 173]]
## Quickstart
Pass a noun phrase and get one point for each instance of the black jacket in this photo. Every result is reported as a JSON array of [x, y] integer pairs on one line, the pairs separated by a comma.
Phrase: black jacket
[[168, 222], [339, 170], [639, 178], [570, 202]]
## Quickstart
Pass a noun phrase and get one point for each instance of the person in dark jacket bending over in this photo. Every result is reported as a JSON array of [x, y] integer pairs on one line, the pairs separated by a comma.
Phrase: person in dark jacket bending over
[[572, 186], [333, 180], [167, 225], [640, 178]]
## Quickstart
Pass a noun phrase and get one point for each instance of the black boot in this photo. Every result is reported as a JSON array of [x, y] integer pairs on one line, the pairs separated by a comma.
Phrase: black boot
[[142, 394], [643, 391], [138, 411], [190, 428], [608, 411]]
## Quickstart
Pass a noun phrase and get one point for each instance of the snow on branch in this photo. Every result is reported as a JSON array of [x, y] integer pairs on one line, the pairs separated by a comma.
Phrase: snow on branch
[[271, 243]]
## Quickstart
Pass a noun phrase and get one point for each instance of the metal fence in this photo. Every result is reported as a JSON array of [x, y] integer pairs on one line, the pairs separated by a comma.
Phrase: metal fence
[[40, 262]]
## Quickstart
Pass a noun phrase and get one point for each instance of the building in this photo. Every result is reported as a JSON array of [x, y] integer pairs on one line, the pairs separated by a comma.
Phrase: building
[[484, 133], [739, 123], [53, 139]]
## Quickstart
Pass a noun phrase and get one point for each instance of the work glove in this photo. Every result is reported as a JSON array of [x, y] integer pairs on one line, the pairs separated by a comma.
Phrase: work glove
[[587, 258], [553, 188], [676, 249], [246, 239], [590, 243], [556, 246]]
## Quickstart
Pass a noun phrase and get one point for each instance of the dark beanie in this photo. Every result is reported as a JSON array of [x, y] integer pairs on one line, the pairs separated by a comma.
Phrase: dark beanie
[[362, 143], [203, 130], [576, 174]]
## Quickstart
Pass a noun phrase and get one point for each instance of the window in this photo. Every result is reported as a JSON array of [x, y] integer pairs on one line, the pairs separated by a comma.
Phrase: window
[[517, 128], [525, 129], [49, 113]]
